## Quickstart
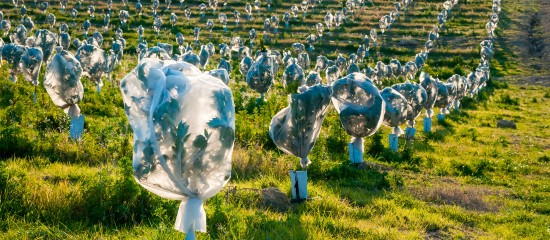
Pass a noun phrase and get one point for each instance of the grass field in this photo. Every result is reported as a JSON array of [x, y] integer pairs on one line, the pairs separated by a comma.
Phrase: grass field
[[467, 179]]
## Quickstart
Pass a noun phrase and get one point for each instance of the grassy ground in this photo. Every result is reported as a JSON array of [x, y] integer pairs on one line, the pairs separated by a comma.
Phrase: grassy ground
[[466, 179]]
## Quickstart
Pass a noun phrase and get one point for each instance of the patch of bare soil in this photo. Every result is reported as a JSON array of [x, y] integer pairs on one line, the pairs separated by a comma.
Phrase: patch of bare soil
[[449, 191], [544, 15], [543, 80], [468, 197], [536, 37], [531, 36]]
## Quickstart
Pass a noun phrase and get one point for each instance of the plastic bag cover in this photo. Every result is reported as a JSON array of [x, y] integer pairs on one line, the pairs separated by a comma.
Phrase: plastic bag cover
[[295, 129], [260, 75], [12, 53], [446, 93], [93, 61], [19, 35], [293, 76], [416, 96], [221, 74], [30, 63], [397, 109], [46, 41], [155, 52], [62, 82], [359, 104], [332, 74], [428, 83], [313, 78], [184, 130]]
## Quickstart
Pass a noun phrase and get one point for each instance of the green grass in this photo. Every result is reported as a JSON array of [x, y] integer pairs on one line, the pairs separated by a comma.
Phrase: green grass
[[466, 179]]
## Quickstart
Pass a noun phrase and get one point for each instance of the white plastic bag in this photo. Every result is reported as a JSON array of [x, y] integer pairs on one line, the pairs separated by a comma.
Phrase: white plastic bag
[[30, 64], [416, 96], [295, 129], [62, 82], [93, 61], [428, 83], [361, 109], [184, 129], [397, 109]]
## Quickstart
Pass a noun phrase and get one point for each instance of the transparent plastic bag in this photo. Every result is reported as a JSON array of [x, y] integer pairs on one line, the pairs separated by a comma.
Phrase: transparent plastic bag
[[31, 63], [361, 110], [293, 76], [93, 61], [295, 129], [398, 109], [261, 74], [416, 96], [62, 82], [428, 83], [45, 40], [184, 129], [12, 54]]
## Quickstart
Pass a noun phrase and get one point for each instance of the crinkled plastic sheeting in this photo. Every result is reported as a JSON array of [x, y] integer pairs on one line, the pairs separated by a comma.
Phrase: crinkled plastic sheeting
[[428, 83], [19, 35], [461, 85], [62, 82], [260, 75], [221, 74], [64, 40], [293, 76], [321, 63], [298, 48], [30, 64], [225, 65], [204, 56], [12, 53], [313, 78], [45, 40], [303, 60], [167, 47], [211, 49], [184, 130], [332, 73], [361, 109], [295, 129], [192, 58], [353, 68], [416, 96], [243, 51], [445, 96], [93, 61], [155, 52], [397, 109], [245, 65]]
